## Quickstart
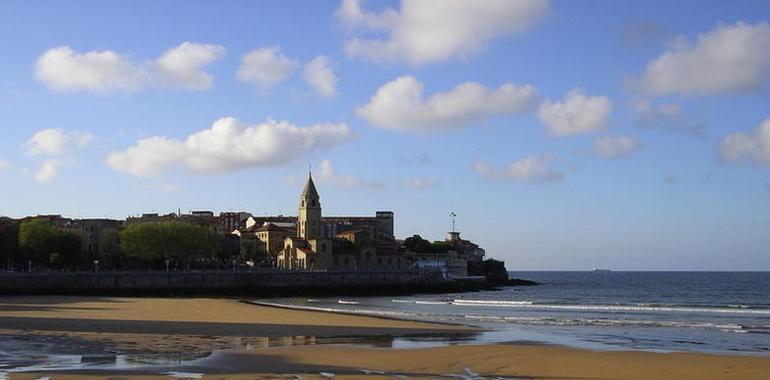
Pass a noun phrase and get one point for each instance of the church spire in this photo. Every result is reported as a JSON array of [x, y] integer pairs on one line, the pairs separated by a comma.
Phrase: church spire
[[309, 219], [310, 190]]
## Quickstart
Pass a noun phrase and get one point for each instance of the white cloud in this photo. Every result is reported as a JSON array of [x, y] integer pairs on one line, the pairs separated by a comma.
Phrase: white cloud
[[327, 175], [427, 31], [577, 114], [64, 69], [228, 145], [748, 147], [422, 182], [728, 58], [320, 76], [4, 165], [47, 171], [55, 141], [182, 66], [265, 67], [616, 146], [529, 169], [400, 104]]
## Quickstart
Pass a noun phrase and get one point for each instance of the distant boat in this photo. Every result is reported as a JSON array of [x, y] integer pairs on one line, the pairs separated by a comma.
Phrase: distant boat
[[602, 270]]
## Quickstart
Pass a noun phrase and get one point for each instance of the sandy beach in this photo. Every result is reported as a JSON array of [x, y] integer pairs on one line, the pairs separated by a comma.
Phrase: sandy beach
[[154, 324]]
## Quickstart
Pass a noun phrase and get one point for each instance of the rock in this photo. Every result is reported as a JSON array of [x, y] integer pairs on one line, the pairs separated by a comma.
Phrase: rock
[[520, 282]]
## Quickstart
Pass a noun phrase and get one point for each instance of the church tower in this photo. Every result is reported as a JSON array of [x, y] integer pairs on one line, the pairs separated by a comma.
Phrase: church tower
[[309, 220]]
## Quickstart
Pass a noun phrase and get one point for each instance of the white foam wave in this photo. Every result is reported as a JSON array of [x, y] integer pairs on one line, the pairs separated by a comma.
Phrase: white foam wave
[[548, 321], [347, 302], [608, 308], [395, 314]]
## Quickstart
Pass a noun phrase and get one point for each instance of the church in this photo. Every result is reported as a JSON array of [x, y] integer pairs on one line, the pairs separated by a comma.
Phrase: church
[[335, 243]]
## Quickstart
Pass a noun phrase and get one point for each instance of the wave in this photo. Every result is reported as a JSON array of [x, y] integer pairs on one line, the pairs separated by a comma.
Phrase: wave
[[347, 302], [526, 320], [601, 322], [612, 308], [416, 302], [395, 314]]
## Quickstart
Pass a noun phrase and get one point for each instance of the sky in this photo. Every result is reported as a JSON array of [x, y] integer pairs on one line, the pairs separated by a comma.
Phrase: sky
[[565, 135]]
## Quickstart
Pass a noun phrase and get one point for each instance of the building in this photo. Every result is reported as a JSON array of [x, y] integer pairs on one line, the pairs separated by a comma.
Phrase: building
[[231, 221], [339, 243], [260, 245], [98, 237], [465, 249]]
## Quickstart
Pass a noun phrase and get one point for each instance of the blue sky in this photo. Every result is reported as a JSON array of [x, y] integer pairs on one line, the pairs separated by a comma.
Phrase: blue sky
[[594, 134]]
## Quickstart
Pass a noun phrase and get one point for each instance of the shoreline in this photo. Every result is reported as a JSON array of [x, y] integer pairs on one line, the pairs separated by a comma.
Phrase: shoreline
[[350, 313], [241, 340]]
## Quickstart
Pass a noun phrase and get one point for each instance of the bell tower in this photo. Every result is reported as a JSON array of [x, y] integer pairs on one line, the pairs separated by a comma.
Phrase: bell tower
[[309, 219]]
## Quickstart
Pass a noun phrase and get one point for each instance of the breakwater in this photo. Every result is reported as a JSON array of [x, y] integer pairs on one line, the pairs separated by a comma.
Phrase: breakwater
[[229, 283]]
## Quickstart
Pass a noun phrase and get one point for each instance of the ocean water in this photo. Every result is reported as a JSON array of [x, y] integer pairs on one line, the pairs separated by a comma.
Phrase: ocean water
[[660, 311]]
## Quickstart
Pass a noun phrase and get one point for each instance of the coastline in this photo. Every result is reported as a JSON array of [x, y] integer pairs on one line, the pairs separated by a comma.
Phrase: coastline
[[201, 322]]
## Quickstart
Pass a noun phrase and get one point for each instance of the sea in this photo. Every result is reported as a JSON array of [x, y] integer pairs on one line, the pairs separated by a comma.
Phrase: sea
[[711, 312]]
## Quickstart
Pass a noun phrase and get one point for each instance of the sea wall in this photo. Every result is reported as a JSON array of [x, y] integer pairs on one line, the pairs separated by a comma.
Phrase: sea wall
[[223, 283]]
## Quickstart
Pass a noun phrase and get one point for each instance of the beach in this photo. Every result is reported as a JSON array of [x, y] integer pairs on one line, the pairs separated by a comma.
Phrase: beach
[[285, 343]]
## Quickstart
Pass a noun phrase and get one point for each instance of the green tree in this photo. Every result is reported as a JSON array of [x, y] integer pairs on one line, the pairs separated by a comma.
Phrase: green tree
[[43, 244], [181, 243]]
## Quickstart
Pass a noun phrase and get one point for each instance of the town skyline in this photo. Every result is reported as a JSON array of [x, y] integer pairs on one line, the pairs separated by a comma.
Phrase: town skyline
[[614, 146]]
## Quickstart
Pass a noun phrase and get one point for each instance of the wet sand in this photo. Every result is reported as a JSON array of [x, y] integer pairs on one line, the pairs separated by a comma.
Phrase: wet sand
[[195, 317], [192, 316], [468, 361]]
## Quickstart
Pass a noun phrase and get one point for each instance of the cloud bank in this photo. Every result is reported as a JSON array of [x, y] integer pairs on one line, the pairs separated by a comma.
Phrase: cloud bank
[[64, 69], [728, 58], [47, 171], [529, 169], [401, 105], [228, 145], [265, 67], [612, 147], [427, 31], [577, 114], [320, 76], [55, 141], [748, 147]]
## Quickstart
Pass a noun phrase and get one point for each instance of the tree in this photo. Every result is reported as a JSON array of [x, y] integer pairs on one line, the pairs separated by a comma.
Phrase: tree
[[417, 244], [43, 244], [181, 243], [9, 242]]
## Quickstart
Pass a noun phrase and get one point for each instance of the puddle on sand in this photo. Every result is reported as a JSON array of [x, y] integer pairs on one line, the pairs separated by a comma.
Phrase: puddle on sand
[[57, 354]]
